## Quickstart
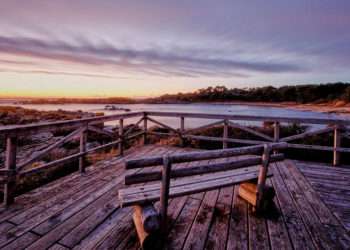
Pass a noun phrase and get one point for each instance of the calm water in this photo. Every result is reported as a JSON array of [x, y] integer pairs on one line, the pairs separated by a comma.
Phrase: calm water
[[190, 108]]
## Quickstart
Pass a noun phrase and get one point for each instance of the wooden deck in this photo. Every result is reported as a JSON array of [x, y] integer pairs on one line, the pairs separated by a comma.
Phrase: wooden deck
[[82, 212]]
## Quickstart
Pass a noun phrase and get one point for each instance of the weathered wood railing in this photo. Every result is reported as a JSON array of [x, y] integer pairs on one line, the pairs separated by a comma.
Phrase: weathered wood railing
[[81, 127]]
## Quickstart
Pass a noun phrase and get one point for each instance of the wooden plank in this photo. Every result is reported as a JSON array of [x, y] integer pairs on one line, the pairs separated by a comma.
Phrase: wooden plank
[[70, 124], [123, 230], [321, 237], [297, 232], [251, 131], [206, 126], [68, 225], [164, 194], [100, 131], [174, 208], [72, 183], [183, 224], [202, 222], [10, 164], [225, 135], [252, 118], [258, 235], [218, 233], [277, 230], [82, 149], [198, 170], [202, 155], [66, 213], [336, 145], [163, 125], [194, 185], [307, 133], [109, 228], [21, 243], [58, 247], [39, 155], [220, 139], [238, 227], [121, 136]]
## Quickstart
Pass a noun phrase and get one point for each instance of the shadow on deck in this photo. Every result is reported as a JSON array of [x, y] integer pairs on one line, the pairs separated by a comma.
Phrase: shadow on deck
[[82, 212]]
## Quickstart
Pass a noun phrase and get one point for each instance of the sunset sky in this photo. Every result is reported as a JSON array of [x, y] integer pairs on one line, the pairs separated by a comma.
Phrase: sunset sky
[[144, 48]]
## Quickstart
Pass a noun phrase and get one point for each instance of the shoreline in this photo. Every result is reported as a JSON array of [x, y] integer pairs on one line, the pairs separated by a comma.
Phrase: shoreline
[[338, 108]]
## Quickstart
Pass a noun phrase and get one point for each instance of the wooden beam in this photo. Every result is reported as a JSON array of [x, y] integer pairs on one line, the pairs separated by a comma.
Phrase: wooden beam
[[7, 176], [265, 160], [213, 124], [70, 124], [120, 134], [100, 131], [251, 131], [220, 139], [82, 150], [163, 125], [164, 197], [133, 127], [10, 165], [276, 131], [145, 129], [253, 118], [199, 170], [198, 156], [337, 142], [225, 134], [182, 130], [73, 157], [44, 152], [307, 133]]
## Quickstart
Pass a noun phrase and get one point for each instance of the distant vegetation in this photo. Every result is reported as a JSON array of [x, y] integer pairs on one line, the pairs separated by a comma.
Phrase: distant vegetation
[[309, 93], [298, 93], [110, 100]]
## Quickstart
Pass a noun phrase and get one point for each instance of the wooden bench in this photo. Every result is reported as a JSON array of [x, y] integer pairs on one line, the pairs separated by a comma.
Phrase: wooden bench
[[192, 179]]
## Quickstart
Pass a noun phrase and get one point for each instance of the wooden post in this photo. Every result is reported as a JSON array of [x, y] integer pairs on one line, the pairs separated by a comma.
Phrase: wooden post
[[10, 164], [182, 130], [225, 136], [144, 129], [121, 131], [83, 140], [262, 175], [165, 195], [276, 134], [337, 140]]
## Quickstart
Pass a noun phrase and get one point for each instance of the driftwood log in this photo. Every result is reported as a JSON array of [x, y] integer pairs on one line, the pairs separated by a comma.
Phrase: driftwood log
[[147, 224]]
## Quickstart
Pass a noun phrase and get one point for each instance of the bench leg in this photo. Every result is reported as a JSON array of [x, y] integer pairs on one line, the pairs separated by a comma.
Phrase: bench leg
[[165, 197], [262, 177]]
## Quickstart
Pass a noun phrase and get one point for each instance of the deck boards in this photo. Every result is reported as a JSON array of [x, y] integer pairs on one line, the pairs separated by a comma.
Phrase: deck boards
[[83, 212]]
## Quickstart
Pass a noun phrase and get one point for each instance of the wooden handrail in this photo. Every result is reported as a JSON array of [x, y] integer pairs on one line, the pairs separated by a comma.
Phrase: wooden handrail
[[336, 125], [345, 122], [51, 126]]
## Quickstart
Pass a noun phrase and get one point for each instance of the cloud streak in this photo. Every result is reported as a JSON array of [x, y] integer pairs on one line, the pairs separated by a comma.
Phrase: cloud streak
[[155, 61]]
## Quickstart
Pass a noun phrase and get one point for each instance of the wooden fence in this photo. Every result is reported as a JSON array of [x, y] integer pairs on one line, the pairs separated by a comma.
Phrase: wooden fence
[[81, 127]]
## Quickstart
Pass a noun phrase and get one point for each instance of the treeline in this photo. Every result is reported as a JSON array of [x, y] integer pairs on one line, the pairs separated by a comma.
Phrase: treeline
[[308, 93], [299, 93], [109, 100]]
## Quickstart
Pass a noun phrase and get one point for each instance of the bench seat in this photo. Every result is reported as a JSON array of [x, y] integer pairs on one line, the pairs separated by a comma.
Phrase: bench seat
[[185, 186]]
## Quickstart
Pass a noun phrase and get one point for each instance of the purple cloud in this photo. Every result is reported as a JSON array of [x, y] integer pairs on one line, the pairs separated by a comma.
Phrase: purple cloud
[[154, 60]]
